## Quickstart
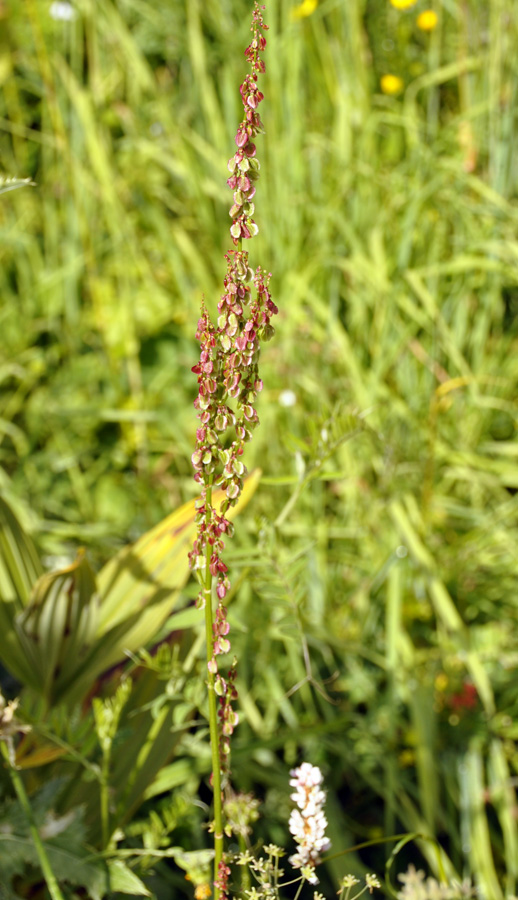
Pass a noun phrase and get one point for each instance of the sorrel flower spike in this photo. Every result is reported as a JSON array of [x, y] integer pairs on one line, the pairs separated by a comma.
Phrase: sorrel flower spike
[[228, 375], [228, 385], [244, 165]]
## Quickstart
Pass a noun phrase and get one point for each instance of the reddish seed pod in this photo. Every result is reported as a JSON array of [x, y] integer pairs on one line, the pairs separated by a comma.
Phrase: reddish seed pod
[[227, 374]]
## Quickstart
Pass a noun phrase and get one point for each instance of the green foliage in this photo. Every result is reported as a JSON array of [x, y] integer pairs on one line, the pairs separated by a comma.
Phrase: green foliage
[[62, 629], [379, 571], [64, 840], [110, 759]]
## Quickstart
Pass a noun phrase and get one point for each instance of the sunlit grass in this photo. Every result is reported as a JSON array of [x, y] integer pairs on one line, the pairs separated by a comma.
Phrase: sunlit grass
[[390, 220]]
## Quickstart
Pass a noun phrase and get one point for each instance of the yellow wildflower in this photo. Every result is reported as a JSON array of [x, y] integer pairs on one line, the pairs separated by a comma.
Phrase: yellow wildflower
[[304, 9], [202, 892], [403, 4], [427, 20], [391, 84], [441, 681]]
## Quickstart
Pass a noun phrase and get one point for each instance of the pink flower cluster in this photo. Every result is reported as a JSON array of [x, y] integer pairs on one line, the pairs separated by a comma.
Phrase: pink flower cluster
[[228, 385], [228, 371], [308, 822], [228, 368], [221, 883], [244, 166]]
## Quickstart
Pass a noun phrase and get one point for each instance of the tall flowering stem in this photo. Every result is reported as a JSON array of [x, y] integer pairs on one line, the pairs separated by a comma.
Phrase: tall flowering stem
[[228, 385]]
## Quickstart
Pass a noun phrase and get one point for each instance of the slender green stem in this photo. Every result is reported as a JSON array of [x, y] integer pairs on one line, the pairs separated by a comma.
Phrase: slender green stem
[[105, 796], [301, 885], [313, 471], [245, 872], [213, 712], [46, 868]]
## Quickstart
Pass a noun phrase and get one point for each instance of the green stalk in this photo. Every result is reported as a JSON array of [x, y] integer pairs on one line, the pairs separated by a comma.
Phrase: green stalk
[[46, 868], [245, 871], [301, 885], [213, 712], [105, 796]]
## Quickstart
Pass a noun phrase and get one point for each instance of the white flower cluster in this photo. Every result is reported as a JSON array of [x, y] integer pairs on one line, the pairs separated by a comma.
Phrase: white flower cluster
[[417, 887], [308, 823]]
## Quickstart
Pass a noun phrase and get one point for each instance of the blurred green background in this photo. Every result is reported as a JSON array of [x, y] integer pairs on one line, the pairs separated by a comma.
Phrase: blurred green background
[[375, 612]]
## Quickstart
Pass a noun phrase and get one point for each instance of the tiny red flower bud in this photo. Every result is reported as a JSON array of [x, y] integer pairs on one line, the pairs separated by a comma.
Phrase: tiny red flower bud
[[241, 136]]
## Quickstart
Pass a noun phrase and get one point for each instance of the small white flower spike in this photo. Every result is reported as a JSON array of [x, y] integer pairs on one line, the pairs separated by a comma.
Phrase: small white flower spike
[[308, 823]]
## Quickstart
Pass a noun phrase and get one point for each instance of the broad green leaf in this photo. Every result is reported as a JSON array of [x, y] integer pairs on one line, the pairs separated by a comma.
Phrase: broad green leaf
[[70, 860], [195, 862], [59, 624], [152, 733], [19, 562], [124, 880], [41, 756], [60, 630], [169, 777], [157, 562], [12, 652], [140, 586]]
